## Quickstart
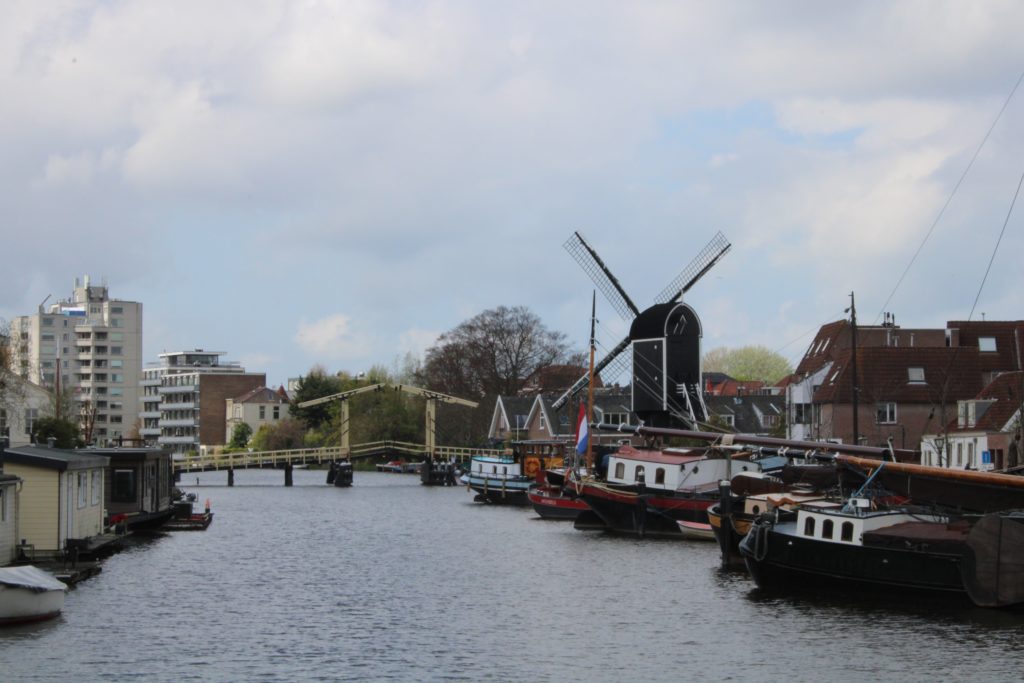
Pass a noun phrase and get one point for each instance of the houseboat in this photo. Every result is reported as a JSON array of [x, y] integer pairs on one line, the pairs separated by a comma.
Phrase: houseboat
[[62, 500], [137, 486], [506, 479], [853, 543], [645, 492]]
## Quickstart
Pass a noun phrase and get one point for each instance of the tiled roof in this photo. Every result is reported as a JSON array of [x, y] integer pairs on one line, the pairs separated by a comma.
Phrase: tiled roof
[[884, 375], [1008, 336], [1007, 393], [260, 395]]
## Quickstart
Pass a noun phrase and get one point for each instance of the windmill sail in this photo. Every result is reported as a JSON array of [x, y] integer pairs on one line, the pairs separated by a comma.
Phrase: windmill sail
[[701, 264], [593, 266]]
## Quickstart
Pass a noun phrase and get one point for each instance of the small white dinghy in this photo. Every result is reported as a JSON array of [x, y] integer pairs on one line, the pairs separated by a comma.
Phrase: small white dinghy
[[29, 594]]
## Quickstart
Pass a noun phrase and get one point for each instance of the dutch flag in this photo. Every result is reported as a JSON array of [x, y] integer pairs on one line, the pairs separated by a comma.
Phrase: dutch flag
[[582, 431]]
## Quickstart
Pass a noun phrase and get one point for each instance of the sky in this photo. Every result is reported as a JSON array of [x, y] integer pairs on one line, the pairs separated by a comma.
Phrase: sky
[[338, 183]]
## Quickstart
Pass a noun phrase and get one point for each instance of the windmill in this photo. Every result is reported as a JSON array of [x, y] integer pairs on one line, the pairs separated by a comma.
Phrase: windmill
[[665, 339]]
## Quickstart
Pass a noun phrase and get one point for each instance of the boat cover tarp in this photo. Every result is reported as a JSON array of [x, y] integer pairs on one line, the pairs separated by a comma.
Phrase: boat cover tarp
[[993, 570], [933, 537], [30, 577]]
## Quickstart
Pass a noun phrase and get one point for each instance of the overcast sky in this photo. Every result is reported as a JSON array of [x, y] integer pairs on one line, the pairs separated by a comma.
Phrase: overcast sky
[[338, 183]]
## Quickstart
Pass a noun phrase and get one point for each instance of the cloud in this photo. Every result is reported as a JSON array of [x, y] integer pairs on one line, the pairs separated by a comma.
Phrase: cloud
[[333, 337], [416, 341]]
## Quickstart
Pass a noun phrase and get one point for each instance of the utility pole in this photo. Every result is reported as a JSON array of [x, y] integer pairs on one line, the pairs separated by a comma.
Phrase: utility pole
[[853, 367]]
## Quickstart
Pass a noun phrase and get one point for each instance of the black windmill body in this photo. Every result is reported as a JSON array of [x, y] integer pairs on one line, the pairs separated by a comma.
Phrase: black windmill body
[[665, 340]]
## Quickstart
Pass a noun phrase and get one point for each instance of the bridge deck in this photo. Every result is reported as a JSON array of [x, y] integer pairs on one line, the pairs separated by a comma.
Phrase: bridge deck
[[308, 456]]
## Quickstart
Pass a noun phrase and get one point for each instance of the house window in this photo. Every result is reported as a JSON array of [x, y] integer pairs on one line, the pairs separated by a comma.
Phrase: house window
[[31, 415], [263, 412], [277, 412], [826, 529], [769, 420], [915, 375], [83, 489], [847, 532], [117, 309], [986, 343], [122, 486], [659, 475], [809, 526], [801, 413], [886, 413], [620, 470], [97, 486], [729, 420], [543, 422], [3, 422]]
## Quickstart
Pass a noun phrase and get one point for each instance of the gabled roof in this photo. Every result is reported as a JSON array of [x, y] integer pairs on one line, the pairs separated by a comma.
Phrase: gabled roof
[[1007, 395], [1008, 336], [52, 458], [883, 375], [746, 411], [261, 395], [508, 408]]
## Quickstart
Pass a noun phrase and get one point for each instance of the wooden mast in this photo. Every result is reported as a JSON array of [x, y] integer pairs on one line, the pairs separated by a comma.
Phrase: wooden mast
[[590, 385]]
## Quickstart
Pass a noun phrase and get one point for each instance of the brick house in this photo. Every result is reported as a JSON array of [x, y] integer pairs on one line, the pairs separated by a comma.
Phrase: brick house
[[909, 380]]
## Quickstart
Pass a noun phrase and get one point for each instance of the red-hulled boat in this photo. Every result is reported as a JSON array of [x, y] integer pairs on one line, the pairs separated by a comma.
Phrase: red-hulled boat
[[554, 501]]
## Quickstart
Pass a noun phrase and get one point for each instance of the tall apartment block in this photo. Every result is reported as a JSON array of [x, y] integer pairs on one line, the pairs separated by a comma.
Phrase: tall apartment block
[[184, 398], [94, 344]]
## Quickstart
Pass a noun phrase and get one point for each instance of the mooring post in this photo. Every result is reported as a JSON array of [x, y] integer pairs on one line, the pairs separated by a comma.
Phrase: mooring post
[[177, 476], [288, 474], [231, 476]]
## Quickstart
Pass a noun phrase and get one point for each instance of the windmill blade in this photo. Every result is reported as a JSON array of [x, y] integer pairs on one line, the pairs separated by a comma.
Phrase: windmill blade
[[598, 367], [593, 266], [701, 264], [617, 367]]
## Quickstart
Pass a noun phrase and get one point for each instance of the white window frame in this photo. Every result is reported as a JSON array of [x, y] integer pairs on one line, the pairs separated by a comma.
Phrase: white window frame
[[987, 344], [890, 412], [97, 486], [83, 489]]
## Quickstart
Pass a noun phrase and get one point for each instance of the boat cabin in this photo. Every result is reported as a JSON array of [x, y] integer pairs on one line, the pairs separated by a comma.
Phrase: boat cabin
[[138, 484], [8, 517], [834, 522], [496, 466], [62, 497], [671, 469]]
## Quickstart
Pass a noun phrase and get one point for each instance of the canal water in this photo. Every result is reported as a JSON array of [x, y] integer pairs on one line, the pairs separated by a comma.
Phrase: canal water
[[393, 581]]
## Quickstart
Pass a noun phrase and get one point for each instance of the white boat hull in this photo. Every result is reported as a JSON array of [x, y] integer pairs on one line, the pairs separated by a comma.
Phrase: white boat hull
[[19, 605]]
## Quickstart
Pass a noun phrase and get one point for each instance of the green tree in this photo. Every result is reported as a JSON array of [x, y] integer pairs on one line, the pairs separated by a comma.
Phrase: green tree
[[316, 384], [286, 434], [240, 435], [64, 432], [748, 363]]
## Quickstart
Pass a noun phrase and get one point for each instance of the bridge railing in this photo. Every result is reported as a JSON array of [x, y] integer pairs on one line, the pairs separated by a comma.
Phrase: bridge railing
[[243, 459]]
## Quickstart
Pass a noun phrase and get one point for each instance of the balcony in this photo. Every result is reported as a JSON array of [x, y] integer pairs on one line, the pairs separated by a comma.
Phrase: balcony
[[178, 439], [149, 431], [179, 406], [149, 383], [182, 422], [178, 389], [152, 414]]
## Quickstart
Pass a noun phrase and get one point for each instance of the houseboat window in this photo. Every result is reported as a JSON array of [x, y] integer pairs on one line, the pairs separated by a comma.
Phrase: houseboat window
[[847, 533], [83, 489], [494, 469], [826, 529], [639, 474], [620, 470], [504, 470], [809, 526], [659, 475], [756, 509], [97, 486], [122, 486]]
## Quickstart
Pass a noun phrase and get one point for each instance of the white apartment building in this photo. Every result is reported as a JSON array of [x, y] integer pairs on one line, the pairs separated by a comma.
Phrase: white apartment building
[[183, 398], [93, 344]]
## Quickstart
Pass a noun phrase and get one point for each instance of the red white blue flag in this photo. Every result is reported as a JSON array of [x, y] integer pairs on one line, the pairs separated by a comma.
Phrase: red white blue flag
[[582, 431]]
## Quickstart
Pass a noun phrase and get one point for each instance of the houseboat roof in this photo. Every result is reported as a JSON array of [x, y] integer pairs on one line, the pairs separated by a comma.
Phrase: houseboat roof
[[52, 458], [122, 454], [669, 457], [9, 478]]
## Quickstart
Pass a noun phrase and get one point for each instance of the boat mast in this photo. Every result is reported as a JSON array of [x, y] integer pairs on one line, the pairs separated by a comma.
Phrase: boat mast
[[853, 367], [590, 384]]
